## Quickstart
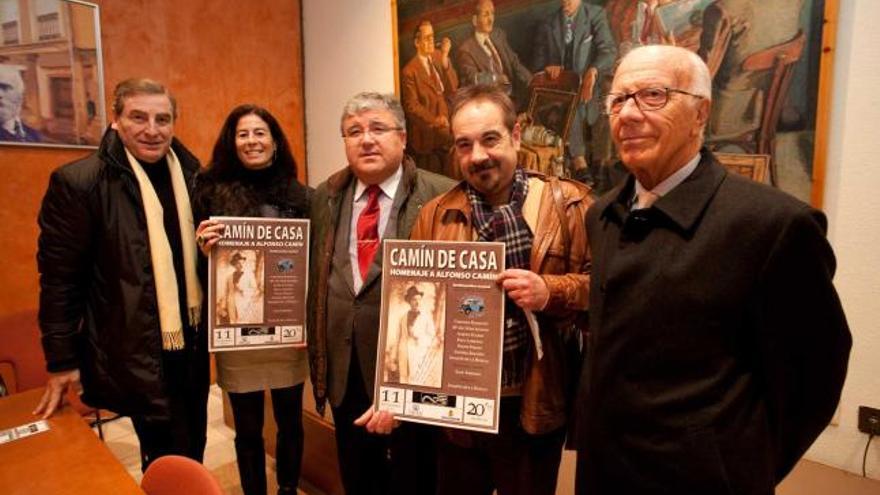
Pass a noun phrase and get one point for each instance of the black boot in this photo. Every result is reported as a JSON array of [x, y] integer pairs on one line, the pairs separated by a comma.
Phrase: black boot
[[251, 465]]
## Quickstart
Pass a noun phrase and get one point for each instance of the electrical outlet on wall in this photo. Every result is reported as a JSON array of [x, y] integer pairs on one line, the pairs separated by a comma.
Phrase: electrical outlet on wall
[[869, 420]]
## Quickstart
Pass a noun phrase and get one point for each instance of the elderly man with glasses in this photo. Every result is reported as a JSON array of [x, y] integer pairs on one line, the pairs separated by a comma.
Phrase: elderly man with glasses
[[718, 346], [376, 196]]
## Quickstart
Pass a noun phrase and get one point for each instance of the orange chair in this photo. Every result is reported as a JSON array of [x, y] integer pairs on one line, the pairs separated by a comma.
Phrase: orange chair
[[174, 474]]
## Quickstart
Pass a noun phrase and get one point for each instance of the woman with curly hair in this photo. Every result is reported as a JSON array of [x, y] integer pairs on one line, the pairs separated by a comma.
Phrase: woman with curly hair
[[252, 173]]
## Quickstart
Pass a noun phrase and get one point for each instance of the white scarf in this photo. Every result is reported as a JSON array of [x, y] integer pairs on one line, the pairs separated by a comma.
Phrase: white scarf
[[162, 258]]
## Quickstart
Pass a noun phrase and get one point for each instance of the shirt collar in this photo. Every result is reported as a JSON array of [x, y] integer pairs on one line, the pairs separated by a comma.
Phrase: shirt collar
[[672, 181], [12, 124], [388, 186], [481, 37]]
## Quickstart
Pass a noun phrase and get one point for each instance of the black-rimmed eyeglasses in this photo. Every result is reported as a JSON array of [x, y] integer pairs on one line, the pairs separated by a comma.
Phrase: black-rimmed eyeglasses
[[647, 99]]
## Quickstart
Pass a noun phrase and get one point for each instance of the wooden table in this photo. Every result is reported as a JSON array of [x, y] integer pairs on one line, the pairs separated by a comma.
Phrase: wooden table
[[68, 459]]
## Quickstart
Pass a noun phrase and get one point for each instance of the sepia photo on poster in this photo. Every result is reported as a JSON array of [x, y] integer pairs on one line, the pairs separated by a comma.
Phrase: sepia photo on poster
[[441, 333], [257, 284]]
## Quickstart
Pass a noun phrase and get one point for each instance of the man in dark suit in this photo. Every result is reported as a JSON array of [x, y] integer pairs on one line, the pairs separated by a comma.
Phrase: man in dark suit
[[487, 57], [11, 97], [377, 196], [718, 346], [427, 81], [577, 38], [120, 300]]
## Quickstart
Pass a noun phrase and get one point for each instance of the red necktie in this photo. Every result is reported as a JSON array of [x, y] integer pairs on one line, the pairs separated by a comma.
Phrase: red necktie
[[368, 231]]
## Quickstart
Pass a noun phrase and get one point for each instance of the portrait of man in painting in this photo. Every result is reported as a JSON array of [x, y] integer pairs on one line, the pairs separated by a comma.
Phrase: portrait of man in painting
[[51, 81], [764, 57]]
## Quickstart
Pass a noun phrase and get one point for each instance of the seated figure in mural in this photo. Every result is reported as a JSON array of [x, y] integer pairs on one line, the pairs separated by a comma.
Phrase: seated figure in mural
[[11, 98], [577, 38], [487, 57]]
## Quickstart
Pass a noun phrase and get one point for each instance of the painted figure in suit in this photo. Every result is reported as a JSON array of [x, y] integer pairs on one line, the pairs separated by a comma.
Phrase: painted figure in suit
[[577, 38], [487, 57], [755, 25], [641, 23], [427, 80], [377, 196], [11, 97], [718, 346]]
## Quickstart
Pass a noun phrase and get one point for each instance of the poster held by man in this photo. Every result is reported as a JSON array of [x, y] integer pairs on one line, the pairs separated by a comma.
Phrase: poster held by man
[[440, 337]]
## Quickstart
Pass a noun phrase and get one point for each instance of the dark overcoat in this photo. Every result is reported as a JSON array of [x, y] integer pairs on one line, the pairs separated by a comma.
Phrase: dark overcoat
[[718, 345]]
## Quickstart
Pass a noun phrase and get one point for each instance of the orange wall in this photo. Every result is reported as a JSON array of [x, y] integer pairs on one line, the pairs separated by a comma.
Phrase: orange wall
[[212, 54]]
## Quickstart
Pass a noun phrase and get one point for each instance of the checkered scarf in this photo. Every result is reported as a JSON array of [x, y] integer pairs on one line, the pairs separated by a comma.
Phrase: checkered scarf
[[506, 224]]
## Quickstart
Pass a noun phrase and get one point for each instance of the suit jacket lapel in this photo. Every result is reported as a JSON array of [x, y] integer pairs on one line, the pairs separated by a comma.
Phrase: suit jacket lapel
[[559, 35], [429, 79], [484, 61], [345, 225], [684, 205], [581, 31], [502, 55]]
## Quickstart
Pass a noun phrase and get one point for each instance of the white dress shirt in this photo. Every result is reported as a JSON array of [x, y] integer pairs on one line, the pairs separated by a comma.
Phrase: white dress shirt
[[670, 182]]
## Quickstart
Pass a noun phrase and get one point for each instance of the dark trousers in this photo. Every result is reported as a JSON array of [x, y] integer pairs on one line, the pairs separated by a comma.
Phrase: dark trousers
[[401, 463], [247, 411], [186, 375], [512, 462]]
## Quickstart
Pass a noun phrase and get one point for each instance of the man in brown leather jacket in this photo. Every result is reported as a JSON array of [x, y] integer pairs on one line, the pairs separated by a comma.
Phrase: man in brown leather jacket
[[541, 221]]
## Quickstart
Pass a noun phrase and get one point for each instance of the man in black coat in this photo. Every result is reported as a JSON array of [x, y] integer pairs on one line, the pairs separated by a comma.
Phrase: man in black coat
[[718, 346], [119, 296]]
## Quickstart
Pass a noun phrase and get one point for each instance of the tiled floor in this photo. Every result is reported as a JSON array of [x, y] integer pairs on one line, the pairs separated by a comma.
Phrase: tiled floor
[[807, 478], [219, 453]]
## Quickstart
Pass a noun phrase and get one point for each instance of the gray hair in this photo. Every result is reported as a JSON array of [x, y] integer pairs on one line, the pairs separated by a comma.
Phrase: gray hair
[[140, 86], [369, 100], [11, 75], [701, 80], [686, 65]]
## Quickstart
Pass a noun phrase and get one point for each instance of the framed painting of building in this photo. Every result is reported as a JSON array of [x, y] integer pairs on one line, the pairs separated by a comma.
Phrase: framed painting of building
[[51, 74], [770, 62]]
